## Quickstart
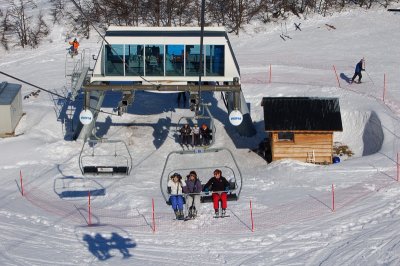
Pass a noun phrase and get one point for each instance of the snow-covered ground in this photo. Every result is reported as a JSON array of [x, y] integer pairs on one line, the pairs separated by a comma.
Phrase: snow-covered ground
[[294, 223]]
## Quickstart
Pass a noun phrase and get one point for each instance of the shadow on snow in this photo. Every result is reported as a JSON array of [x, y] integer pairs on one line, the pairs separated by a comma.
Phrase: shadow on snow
[[101, 246]]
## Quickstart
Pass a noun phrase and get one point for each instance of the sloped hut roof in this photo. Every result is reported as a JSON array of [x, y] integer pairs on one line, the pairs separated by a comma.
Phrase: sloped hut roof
[[301, 114]]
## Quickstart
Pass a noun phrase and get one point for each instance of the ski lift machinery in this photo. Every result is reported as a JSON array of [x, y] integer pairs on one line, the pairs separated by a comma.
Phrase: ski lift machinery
[[198, 156], [95, 160], [210, 154]]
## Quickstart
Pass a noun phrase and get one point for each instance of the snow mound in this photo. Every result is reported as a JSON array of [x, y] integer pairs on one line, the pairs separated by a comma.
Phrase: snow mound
[[362, 132]]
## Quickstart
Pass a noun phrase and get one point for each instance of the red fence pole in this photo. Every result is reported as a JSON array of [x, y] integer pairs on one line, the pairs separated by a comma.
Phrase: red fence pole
[[333, 198], [251, 217], [337, 78], [20, 178], [270, 73], [384, 87], [154, 221], [90, 214]]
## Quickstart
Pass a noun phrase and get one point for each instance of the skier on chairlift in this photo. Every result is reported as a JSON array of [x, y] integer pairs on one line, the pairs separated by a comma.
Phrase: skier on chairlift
[[192, 189], [175, 190], [196, 135], [186, 131], [205, 133], [219, 187]]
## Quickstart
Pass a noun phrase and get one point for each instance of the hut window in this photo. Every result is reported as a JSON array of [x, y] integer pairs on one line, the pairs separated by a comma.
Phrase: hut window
[[285, 136]]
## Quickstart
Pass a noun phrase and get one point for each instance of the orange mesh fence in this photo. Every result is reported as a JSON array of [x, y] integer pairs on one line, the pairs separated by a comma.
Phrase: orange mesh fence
[[307, 208]]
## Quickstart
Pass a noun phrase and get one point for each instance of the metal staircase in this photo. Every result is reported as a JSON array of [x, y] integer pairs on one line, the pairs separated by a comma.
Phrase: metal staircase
[[76, 71]]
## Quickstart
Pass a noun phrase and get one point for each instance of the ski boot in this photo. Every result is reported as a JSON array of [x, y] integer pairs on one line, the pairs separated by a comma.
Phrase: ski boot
[[194, 212], [181, 216], [223, 213], [190, 213], [216, 212], [177, 214]]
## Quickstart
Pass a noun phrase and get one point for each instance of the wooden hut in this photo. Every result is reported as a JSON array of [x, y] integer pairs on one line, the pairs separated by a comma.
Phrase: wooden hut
[[301, 128]]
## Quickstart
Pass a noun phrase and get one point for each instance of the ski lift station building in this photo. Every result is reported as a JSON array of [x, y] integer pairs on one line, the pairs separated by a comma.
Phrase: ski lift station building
[[10, 107], [166, 59], [165, 55]]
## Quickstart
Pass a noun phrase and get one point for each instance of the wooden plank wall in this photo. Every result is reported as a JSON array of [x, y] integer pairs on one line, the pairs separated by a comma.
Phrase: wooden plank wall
[[320, 143]]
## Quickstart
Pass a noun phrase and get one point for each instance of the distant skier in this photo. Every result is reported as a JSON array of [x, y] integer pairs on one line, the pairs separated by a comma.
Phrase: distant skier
[[357, 72], [219, 186], [175, 190], [73, 50]]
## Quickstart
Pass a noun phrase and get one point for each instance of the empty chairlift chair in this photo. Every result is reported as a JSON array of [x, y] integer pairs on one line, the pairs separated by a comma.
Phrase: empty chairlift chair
[[109, 157]]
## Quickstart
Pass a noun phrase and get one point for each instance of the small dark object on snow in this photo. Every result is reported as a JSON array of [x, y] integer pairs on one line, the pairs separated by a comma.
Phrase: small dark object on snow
[[330, 27], [297, 26]]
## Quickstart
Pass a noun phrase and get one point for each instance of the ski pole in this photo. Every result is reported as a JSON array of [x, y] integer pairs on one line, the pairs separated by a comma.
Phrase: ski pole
[[89, 209], [251, 217], [384, 87], [153, 216], [337, 78], [370, 78], [22, 187]]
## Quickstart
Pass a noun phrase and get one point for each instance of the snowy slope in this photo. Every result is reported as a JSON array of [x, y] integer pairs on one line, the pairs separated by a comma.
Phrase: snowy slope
[[294, 223]]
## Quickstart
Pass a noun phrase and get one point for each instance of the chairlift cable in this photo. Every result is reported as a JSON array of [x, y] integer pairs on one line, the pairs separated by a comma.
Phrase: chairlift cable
[[201, 47], [30, 84], [104, 39], [51, 92]]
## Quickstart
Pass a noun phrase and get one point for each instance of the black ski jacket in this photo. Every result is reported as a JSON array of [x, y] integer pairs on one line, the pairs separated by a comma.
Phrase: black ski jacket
[[215, 184]]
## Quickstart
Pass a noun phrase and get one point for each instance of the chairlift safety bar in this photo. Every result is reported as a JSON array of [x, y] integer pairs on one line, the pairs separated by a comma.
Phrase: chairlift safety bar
[[205, 151]]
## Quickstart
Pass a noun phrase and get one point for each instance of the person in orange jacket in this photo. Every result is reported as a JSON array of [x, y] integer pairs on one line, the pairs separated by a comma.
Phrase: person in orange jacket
[[74, 47]]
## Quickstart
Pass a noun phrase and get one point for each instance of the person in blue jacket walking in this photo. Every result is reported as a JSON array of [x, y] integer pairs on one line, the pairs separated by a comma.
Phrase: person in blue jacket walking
[[357, 71]]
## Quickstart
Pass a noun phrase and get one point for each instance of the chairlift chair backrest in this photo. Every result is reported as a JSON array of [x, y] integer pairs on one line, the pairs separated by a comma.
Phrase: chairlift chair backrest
[[116, 161]]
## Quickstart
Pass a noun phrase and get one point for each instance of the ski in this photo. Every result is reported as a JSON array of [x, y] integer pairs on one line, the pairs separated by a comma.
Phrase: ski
[[283, 38], [221, 216], [185, 146]]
